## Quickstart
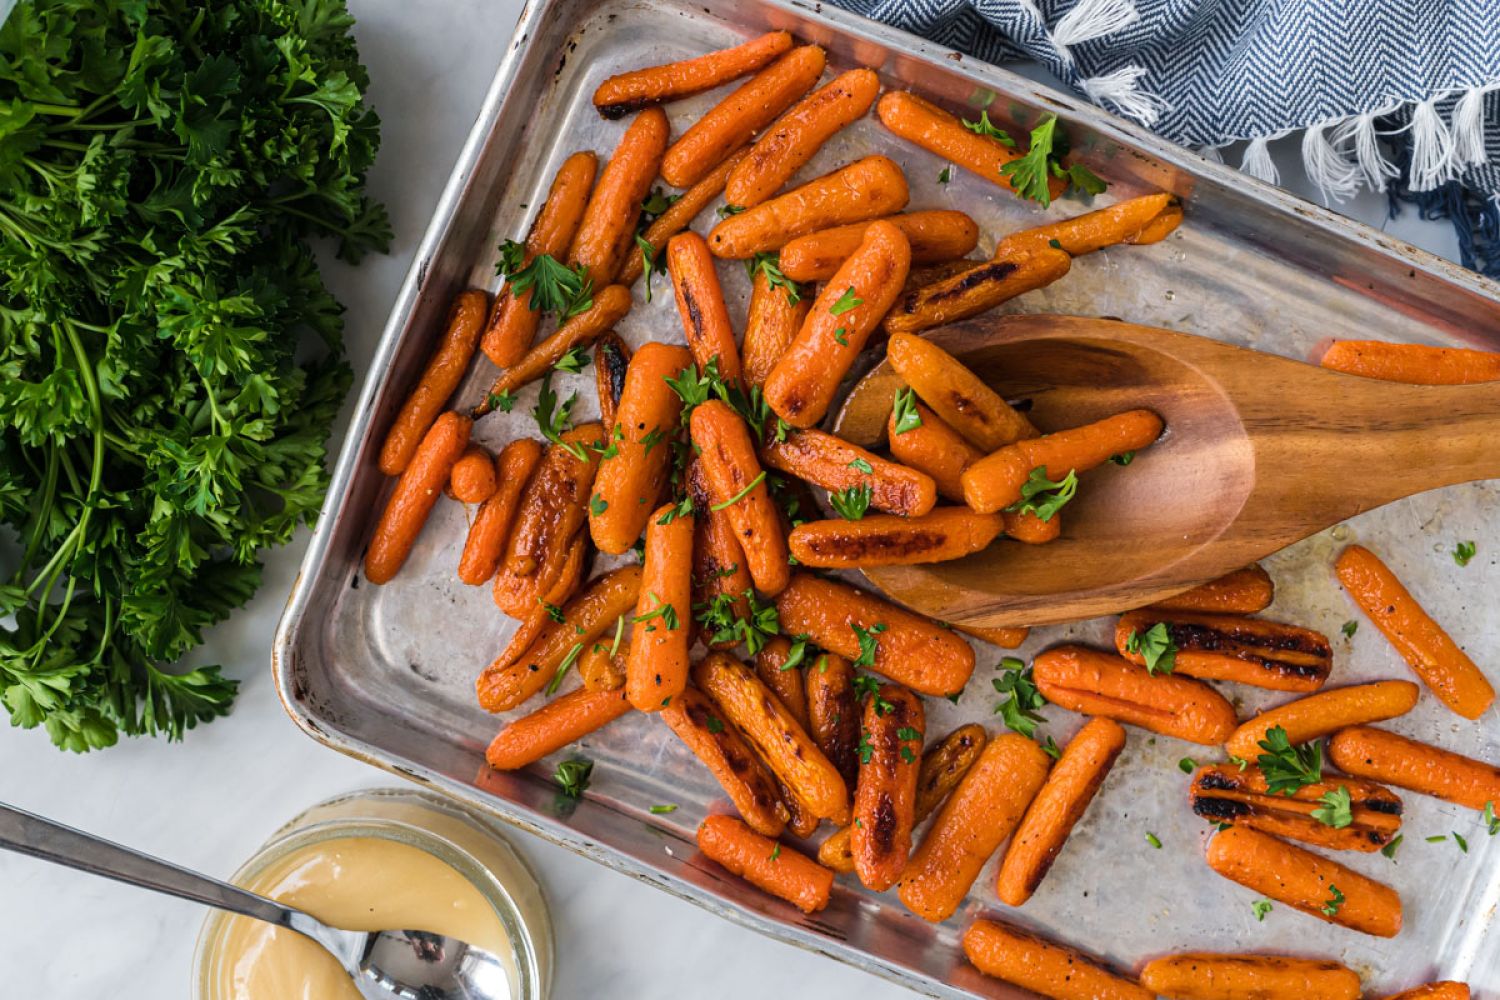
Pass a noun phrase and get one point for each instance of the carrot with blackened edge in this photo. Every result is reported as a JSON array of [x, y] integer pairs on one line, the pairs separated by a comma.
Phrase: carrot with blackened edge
[[1305, 881], [925, 124], [833, 712], [1324, 713], [485, 542], [978, 816], [804, 382], [1005, 638], [1405, 763], [1446, 990], [1094, 683], [445, 369], [1243, 592], [995, 481], [885, 796], [1225, 794], [1233, 648], [763, 863], [625, 93], [658, 665], [942, 535], [416, 492], [829, 461], [718, 744], [700, 303], [611, 362], [513, 320], [729, 124], [1018, 270], [1083, 234], [798, 134], [610, 304], [472, 478], [934, 236], [737, 485], [1043, 967], [720, 575], [677, 217], [1213, 976], [1419, 364], [784, 681], [1422, 642], [553, 726], [865, 189], [1072, 784], [971, 408], [773, 321]]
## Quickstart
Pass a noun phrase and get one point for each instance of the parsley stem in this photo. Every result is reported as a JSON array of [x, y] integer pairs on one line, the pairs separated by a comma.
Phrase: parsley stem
[[742, 493]]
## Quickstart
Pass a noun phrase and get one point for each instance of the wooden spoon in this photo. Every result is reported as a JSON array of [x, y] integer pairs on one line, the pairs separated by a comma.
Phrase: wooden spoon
[[1259, 452]]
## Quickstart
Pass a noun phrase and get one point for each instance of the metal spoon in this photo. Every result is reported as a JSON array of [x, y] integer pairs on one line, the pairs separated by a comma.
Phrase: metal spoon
[[385, 965]]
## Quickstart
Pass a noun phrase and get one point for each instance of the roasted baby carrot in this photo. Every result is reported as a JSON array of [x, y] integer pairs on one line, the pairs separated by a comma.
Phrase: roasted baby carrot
[[1160, 227], [1070, 787], [512, 322], [1044, 968], [1005, 638], [610, 304], [865, 189], [1209, 976], [472, 478], [921, 122], [933, 235], [772, 324], [606, 234], [737, 484], [799, 134], [976, 819], [1421, 364], [445, 369], [553, 726], [971, 408], [891, 540], [514, 677], [601, 667], [885, 797], [700, 303], [626, 93], [658, 665], [804, 382], [1447, 990], [804, 821], [1095, 230], [932, 447], [1227, 794], [1396, 760], [761, 861], [995, 481], [721, 748], [829, 461], [785, 747], [416, 492], [984, 286], [1305, 881], [729, 124], [641, 448], [833, 712], [611, 362], [678, 216], [719, 570], [905, 647], [1324, 713], [1094, 683], [1434, 656], [491, 528], [785, 682], [1233, 648], [1243, 592]]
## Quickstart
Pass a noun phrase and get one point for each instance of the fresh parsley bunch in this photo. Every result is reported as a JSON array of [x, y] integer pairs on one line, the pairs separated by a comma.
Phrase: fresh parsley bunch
[[170, 360]]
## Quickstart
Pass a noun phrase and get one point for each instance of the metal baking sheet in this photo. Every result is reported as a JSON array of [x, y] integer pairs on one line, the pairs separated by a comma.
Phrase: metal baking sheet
[[386, 674]]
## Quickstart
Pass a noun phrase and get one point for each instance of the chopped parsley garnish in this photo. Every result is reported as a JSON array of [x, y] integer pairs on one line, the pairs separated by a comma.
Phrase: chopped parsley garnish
[[769, 264], [502, 400], [862, 465], [663, 810], [1260, 908], [1336, 810], [1463, 845], [722, 624], [1018, 710], [725, 211], [775, 852], [554, 287], [562, 668], [681, 508], [851, 503], [846, 303], [663, 612], [945, 175], [1031, 174], [572, 776], [553, 419], [1490, 820], [573, 361], [840, 336], [598, 505], [1042, 497], [1288, 768], [797, 653], [905, 411], [512, 257], [1336, 900], [1349, 628], [989, 130], [553, 611], [1155, 646], [742, 494], [1187, 765], [866, 750], [867, 643], [1124, 457], [652, 263], [715, 726], [1153, 840], [1389, 850], [657, 202], [1463, 552], [1051, 749]]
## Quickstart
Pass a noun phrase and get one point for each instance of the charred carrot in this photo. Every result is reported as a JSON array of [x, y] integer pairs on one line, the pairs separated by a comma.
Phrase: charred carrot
[[602, 668], [610, 304], [1243, 592], [512, 678], [905, 647], [1094, 683], [804, 821], [1057, 808], [890, 540], [984, 286], [1324, 713], [785, 682], [729, 124], [512, 322], [971, 408], [1433, 655], [833, 712], [934, 236], [491, 528], [640, 448], [828, 461], [1208, 976], [1044, 968], [885, 797], [658, 665], [1005, 638], [472, 478], [799, 134], [737, 484], [1227, 794], [1420, 364], [995, 481], [865, 189], [719, 570], [700, 303], [978, 816], [678, 216], [445, 369], [1396, 760], [763, 863], [1305, 881], [1083, 234], [627, 93], [802, 385], [415, 494], [1233, 648], [721, 748], [1447, 990], [611, 362], [772, 324], [553, 726], [925, 124], [606, 234]]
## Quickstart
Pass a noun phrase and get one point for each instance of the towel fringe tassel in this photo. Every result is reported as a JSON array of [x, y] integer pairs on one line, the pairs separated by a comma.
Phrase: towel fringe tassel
[[1121, 88], [1329, 166], [1257, 161], [1468, 125], [1091, 19]]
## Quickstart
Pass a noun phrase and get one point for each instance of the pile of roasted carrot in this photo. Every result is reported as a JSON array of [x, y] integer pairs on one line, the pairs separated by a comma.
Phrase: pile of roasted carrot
[[701, 463]]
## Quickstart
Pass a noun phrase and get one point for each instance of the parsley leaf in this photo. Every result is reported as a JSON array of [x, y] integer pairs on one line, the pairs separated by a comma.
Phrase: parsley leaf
[[1030, 175], [1349, 628], [553, 419], [1335, 900], [742, 494], [651, 263], [1155, 646], [1153, 840], [502, 401], [1490, 820], [598, 505], [1336, 810], [862, 465], [769, 265], [512, 257], [851, 503], [1260, 908], [1286, 767], [867, 643], [1018, 710], [905, 410], [1463, 552], [1123, 458], [573, 361], [562, 668], [1389, 850], [656, 203], [715, 725], [865, 749], [663, 810], [1187, 765], [1042, 497], [726, 210], [846, 303], [554, 287], [945, 175], [663, 612], [572, 776], [988, 129]]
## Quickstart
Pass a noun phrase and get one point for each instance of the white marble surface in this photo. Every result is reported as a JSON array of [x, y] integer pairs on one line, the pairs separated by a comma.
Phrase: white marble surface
[[208, 804]]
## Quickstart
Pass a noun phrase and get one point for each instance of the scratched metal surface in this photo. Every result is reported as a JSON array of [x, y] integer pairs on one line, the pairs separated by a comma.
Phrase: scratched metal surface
[[386, 673]]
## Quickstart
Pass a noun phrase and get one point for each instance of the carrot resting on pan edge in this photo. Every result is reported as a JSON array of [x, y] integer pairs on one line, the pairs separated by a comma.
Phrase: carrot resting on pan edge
[[564, 720], [625, 93], [1419, 364], [1447, 990], [1043, 967], [1405, 763], [1209, 976], [445, 369], [765, 864]]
